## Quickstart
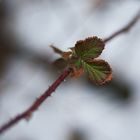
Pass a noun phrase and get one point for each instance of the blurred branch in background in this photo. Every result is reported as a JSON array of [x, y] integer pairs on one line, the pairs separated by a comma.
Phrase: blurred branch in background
[[11, 49], [118, 90], [125, 29], [77, 134]]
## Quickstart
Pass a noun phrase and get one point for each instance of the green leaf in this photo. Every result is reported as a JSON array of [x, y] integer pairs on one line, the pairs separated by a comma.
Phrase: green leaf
[[89, 48], [99, 71]]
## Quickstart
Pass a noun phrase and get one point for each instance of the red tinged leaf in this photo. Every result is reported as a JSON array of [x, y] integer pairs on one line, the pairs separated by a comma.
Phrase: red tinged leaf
[[89, 48]]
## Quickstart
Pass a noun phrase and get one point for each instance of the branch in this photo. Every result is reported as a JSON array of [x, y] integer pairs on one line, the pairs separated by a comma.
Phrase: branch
[[125, 28], [27, 113]]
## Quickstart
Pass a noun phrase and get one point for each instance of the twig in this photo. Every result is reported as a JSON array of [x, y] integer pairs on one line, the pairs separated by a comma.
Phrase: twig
[[27, 113], [125, 28]]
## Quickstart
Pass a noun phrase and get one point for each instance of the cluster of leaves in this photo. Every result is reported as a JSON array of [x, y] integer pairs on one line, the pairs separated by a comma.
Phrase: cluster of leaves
[[82, 58]]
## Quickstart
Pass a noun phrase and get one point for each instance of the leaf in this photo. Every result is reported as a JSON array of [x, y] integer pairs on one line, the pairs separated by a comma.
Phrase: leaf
[[56, 50], [66, 55], [60, 63], [99, 71], [89, 48]]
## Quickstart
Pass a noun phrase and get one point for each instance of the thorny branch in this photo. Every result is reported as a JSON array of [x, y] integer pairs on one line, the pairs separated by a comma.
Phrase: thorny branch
[[27, 113]]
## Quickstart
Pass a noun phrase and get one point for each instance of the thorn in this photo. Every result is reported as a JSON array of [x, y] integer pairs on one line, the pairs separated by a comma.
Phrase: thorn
[[28, 116]]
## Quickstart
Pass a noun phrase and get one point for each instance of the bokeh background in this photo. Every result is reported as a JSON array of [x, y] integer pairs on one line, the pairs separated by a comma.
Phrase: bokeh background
[[78, 110]]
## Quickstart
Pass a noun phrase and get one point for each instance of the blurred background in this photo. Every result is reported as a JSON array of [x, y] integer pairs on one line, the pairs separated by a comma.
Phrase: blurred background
[[78, 110]]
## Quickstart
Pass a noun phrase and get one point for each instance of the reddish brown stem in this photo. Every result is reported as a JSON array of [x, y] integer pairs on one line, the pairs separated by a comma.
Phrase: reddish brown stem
[[125, 28], [27, 113]]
